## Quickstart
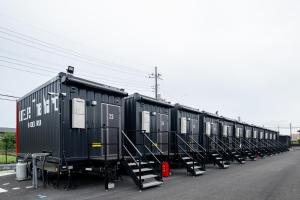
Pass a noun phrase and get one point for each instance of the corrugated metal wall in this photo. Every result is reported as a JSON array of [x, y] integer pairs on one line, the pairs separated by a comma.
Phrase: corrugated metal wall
[[39, 121]]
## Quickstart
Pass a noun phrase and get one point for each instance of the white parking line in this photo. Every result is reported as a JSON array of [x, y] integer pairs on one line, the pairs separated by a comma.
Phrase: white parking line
[[5, 184], [6, 173], [2, 190], [16, 188]]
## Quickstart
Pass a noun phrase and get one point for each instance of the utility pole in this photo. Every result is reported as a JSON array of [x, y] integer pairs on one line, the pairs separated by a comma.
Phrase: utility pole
[[156, 76]]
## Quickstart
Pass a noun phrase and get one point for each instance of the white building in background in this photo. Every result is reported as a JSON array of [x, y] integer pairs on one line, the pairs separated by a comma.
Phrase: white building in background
[[295, 136]]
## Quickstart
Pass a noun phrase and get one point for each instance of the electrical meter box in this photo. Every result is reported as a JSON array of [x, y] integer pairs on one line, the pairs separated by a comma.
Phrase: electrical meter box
[[183, 128], [225, 130], [261, 136], [255, 134], [146, 121], [237, 132], [78, 113], [208, 128]]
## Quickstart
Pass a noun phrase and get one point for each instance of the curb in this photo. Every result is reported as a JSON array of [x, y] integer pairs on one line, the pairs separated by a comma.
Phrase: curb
[[7, 167]]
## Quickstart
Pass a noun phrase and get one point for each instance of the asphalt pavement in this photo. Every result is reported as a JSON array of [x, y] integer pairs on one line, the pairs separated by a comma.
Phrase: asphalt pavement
[[272, 178]]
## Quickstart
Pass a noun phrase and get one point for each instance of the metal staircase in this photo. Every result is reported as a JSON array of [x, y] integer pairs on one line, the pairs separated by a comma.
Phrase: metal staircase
[[255, 145], [283, 147], [233, 153], [192, 159], [265, 148], [253, 151], [144, 173], [245, 149], [218, 155], [273, 147]]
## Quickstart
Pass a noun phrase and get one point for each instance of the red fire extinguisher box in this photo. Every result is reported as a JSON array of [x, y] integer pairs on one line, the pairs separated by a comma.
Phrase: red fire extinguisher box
[[165, 169]]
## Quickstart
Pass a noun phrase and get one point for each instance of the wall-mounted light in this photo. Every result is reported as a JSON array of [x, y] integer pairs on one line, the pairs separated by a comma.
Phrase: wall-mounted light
[[70, 70]]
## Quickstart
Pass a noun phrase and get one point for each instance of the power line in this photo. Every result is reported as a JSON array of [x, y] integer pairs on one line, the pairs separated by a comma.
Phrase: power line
[[7, 95], [42, 29], [69, 52], [31, 72], [5, 66], [4, 99], [18, 42], [42, 67], [87, 76]]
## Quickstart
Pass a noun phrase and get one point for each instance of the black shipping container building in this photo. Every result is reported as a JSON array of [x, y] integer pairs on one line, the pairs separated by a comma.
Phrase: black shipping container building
[[210, 125], [227, 133], [285, 140], [73, 119], [147, 115], [185, 123]]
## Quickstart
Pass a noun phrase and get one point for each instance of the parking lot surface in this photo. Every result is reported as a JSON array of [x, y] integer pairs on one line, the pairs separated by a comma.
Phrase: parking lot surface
[[272, 178]]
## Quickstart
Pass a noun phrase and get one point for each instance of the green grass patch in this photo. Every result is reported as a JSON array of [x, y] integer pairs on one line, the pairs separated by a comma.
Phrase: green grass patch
[[10, 159]]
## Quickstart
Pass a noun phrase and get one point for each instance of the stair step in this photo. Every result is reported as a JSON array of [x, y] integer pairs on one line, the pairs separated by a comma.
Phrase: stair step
[[152, 184], [148, 176], [185, 158], [190, 162], [214, 154], [142, 170], [218, 158], [226, 166], [134, 164], [195, 167], [199, 172]]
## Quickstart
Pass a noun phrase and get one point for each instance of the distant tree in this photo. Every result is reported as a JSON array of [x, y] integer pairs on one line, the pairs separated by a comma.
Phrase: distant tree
[[8, 142]]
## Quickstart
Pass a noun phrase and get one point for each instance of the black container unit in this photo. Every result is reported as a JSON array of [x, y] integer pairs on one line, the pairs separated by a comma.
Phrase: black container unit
[[211, 127], [247, 135], [211, 139], [239, 131], [147, 115], [73, 119], [285, 140], [185, 123], [227, 131], [255, 137]]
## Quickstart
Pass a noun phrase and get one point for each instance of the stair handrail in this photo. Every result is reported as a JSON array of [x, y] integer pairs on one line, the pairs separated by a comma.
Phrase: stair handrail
[[218, 145], [268, 142], [139, 164], [280, 144], [149, 139], [249, 145], [190, 147], [265, 145], [199, 145], [273, 142], [152, 154], [127, 138], [188, 156], [225, 145], [237, 143]]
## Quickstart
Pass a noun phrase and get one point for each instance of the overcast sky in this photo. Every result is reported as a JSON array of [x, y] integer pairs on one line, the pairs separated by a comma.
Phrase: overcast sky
[[238, 57]]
